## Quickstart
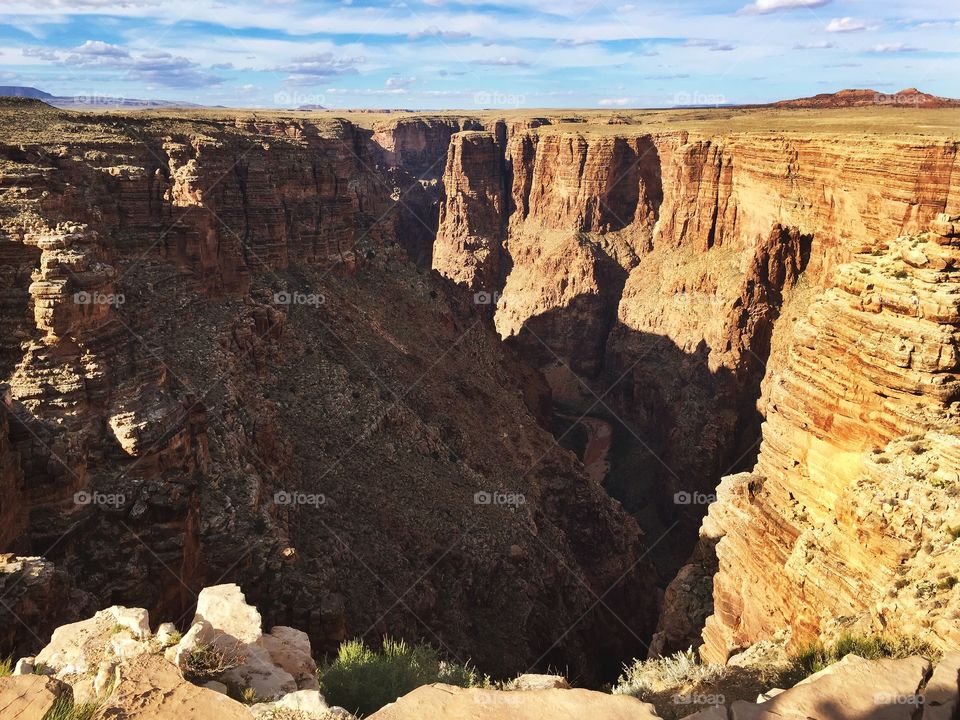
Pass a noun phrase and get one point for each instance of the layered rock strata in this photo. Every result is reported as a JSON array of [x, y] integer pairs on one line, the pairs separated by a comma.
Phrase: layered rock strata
[[851, 513], [662, 272], [225, 368]]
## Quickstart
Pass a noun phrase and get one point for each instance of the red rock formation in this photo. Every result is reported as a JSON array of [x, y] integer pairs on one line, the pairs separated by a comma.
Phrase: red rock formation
[[848, 513], [273, 343], [910, 97], [471, 227]]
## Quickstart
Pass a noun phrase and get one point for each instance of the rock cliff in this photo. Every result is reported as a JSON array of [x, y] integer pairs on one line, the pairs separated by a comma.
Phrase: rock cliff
[[851, 510], [649, 270], [223, 367]]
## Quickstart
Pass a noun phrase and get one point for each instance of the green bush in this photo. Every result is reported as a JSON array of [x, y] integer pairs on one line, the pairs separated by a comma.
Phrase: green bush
[[363, 680], [6, 666]]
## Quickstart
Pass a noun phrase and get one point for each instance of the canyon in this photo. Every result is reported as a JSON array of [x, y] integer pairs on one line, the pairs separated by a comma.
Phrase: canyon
[[477, 378]]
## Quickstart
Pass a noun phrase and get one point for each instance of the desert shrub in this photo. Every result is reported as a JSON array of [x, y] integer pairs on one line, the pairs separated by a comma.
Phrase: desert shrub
[[208, 662], [65, 709], [682, 669], [815, 657], [363, 680], [6, 666]]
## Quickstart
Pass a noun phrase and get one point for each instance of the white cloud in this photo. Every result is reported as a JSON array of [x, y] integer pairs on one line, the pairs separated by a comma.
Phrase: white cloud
[[434, 32], [614, 102], [504, 61], [893, 48], [769, 6], [399, 82], [846, 25], [819, 45]]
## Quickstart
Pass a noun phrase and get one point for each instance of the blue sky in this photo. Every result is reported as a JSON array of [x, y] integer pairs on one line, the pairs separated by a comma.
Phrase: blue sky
[[478, 53]]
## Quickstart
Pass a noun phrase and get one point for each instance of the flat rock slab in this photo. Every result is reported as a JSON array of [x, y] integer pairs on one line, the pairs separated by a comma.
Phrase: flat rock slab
[[851, 690], [29, 697], [453, 703], [151, 688]]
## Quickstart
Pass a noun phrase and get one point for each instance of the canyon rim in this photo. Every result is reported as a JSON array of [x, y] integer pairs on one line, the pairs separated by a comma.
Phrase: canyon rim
[[536, 412]]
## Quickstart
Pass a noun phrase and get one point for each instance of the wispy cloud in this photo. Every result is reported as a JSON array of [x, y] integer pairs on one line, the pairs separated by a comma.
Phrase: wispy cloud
[[846, 25], [892, 48], [769, 6], [819, 45]]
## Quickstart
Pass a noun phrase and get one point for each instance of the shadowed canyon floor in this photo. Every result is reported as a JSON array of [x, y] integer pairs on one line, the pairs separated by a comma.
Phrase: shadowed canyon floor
[[474, 379]]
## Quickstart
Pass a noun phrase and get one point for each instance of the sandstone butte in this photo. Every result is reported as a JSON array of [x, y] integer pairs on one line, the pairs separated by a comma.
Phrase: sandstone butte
[[288, 351]]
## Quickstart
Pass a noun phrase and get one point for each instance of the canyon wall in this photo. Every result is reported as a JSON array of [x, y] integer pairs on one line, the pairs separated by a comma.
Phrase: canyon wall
[[661, 280], [645, 273], [851, 512], [222, 367]]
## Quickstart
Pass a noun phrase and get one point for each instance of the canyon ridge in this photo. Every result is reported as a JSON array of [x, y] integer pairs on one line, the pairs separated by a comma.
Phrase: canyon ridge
[[550, 391]]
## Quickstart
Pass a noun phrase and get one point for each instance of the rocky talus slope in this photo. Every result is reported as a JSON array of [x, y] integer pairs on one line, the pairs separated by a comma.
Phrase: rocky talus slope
[[218, 363], [852, 510]]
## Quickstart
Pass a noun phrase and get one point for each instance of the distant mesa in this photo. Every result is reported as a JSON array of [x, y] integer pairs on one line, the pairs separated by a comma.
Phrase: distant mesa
[[911, 97], [93, 101]]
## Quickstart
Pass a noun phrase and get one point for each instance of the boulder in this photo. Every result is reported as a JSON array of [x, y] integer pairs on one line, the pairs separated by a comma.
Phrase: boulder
[[453, 703], [136, 620], [941, 698], [29, 697], [259, 673], [76, 651], [227, 611], [308, 703], [290, 650], [150, 688], [166, 634], [200, 634], [850, 690]]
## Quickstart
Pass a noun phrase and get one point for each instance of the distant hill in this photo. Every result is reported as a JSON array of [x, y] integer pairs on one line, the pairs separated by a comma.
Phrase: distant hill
[[911, 97], [24, 92], [88, 102]]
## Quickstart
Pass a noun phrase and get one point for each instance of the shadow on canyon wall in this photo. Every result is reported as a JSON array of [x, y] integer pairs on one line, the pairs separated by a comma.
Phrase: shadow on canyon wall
[[676, 425]]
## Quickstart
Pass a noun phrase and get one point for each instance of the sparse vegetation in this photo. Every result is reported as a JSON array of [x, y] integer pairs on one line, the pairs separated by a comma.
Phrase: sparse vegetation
[[679, 685], [208, 662], [248, 696], [815, 657], [363, 680], [645, 677], [65, 709], [6, 666]]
